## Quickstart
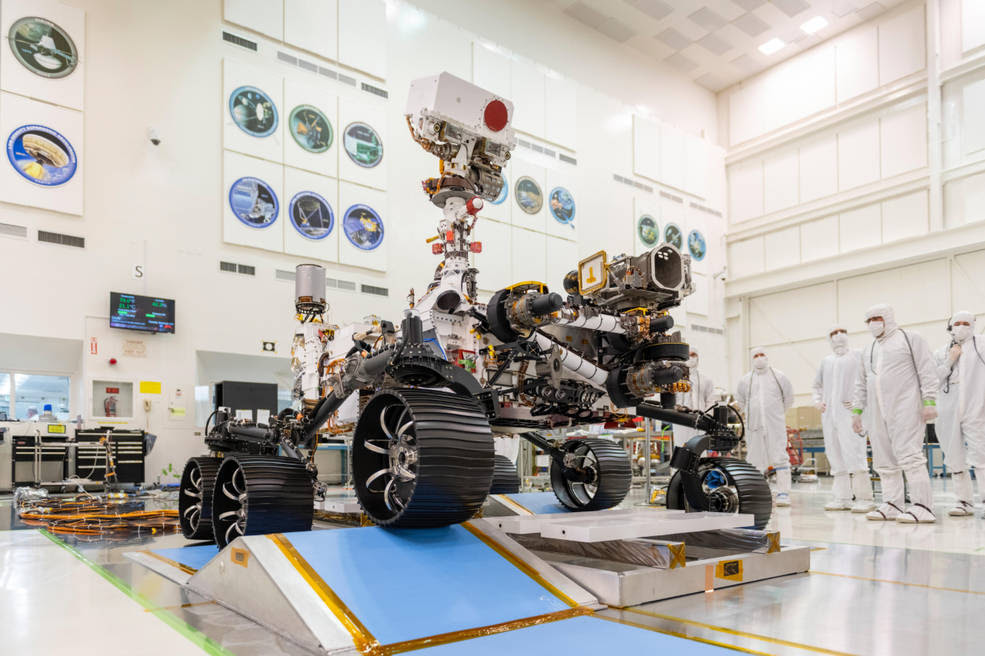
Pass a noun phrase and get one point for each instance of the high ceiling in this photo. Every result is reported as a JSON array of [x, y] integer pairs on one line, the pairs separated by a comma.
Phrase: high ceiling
[[716, 42]]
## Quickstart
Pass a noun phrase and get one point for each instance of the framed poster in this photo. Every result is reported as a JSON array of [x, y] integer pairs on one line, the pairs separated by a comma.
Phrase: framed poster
[[561, 203], [528, 196], [311, 111], [362, 142], [311, 215], [362, 219], [252, 202], [253, 110], [42, 162], [42, 51]]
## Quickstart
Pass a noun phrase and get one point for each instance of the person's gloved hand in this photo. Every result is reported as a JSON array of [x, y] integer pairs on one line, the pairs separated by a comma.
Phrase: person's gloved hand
[[954, 353], [857, 424], [929, 413], [821, 405]]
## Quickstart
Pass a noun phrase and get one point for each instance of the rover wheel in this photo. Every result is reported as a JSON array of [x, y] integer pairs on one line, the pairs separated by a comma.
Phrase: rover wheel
[[731, 485], [597, 474], [505, 480], [421, 457], [195, 497], [255, 495]]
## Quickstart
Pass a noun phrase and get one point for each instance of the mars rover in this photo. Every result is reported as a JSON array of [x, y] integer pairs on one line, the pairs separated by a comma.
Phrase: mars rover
[[430, 393]]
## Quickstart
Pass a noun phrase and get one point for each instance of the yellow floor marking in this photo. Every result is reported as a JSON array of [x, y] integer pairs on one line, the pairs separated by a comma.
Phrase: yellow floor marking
[[361, 637], [735, 632], [915, 585], [519, 564], [173, 563], [681, 635]]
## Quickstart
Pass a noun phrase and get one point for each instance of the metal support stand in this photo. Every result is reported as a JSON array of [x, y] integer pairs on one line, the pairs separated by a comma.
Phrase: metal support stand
[[647, 459]]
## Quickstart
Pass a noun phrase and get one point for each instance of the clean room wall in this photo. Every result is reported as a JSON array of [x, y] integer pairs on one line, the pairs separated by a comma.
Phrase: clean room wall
[[160, 207], [881, 214]]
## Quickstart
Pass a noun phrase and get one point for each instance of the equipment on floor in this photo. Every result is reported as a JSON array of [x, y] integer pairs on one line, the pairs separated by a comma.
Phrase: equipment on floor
[[32, 452], [111, 454]]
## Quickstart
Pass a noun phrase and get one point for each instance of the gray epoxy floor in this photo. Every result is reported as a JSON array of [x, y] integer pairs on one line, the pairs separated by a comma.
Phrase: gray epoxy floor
[[873, 589]]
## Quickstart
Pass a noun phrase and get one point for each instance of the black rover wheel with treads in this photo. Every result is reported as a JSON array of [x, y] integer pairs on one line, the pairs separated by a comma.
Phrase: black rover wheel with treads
[[421, 458], [505, 480], [596, 475], [256, 495], [195, 497], [730, 485]]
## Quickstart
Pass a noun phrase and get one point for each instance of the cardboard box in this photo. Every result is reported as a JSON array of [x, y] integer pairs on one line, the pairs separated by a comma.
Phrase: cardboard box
[[804, 417]]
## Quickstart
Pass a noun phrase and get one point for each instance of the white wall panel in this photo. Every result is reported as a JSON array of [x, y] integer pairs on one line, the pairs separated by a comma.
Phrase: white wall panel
[[858, 154], [904, 216], [646, 147], [491, 70], [673, 157], [819, 238], [701, 161], [782, 248], [529, 255], [771, 320], [964, 200], [818, 167], [860, 227], [360, 24], [857, 61], [745, 188], [780, 175], [745, 258], [903, 135], [972, 110], [745, 118], [312, 25], [914, 291], [968, 288], [374, 115], [699, 301], [972, 24], [811, 84], [671, 212], [560, 111], [527, 93], [263, 16], [562, 257], [495, 262], [901, 45]]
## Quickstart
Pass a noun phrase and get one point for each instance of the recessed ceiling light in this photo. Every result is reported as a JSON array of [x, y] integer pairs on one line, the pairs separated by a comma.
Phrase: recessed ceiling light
[[815, 24], [771, 46]]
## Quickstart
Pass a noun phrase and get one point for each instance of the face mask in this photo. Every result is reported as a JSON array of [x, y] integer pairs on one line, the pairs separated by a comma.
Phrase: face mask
[[692, 363], [961, 333], [760, 362], [877, 328], [839, 340]]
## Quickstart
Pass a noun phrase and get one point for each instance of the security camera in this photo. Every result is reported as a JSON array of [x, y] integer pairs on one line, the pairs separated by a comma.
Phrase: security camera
[[154, 137], [721, 275]]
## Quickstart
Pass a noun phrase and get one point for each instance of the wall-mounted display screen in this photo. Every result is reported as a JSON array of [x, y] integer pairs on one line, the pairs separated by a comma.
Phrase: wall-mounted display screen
[[146, 313]]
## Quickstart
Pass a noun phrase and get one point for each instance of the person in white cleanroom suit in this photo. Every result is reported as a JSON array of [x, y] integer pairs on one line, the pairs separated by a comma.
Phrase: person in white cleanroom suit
[[845, 449], [701, 397], [763, 395], [961, 423], [896, 386]]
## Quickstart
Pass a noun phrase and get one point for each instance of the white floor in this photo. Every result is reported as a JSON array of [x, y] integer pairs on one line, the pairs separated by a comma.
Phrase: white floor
[[874, 588]]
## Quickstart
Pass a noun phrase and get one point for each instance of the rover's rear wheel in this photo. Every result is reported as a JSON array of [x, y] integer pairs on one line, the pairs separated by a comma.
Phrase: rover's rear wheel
[[505, 480], [731, 485], [596, 475], [421, 457], [256, 495], [195, 497]]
